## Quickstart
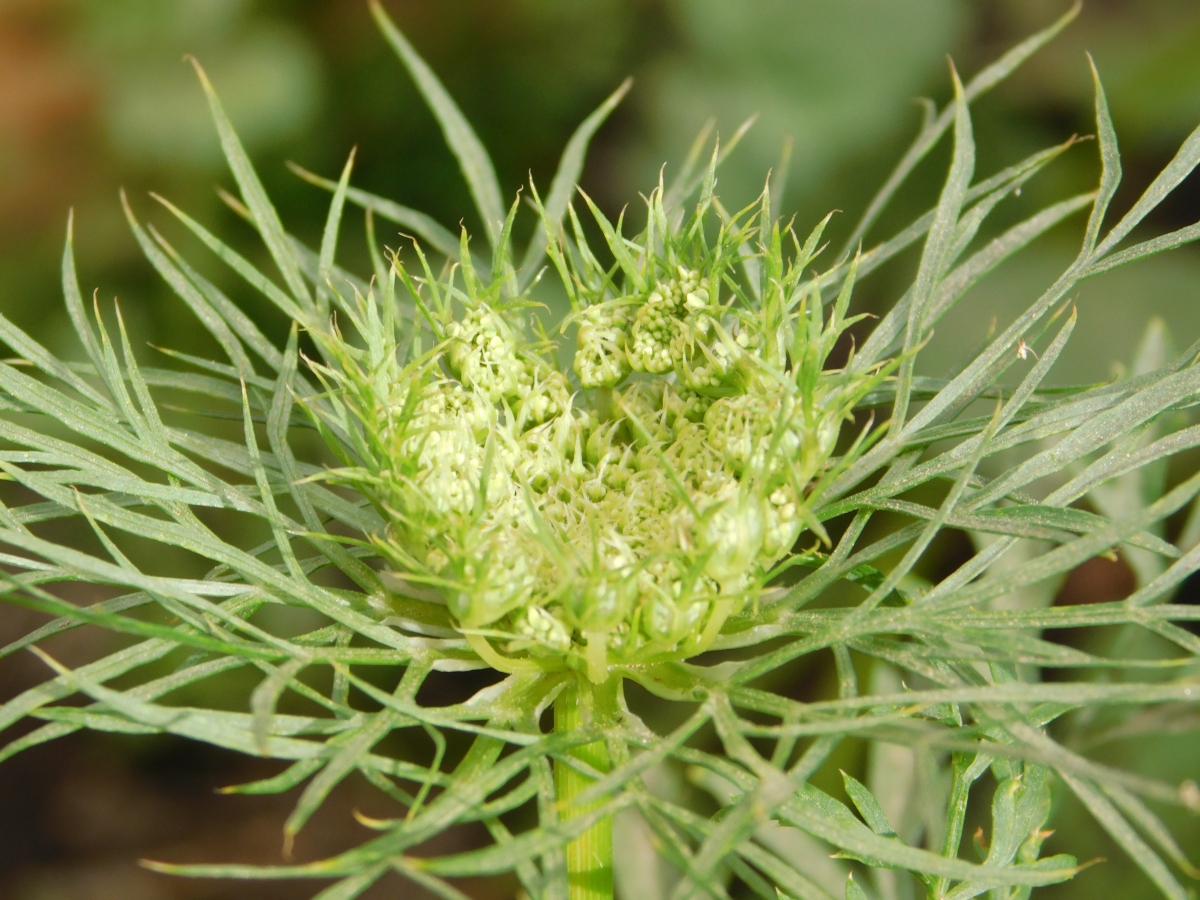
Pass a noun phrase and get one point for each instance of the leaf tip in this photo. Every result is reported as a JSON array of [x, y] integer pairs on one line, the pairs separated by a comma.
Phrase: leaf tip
[[200, 73], [959, 93], [128, 208], [1095, 72]]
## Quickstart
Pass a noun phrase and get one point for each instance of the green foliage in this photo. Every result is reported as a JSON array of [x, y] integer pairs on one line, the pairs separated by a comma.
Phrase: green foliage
[[624, 539]]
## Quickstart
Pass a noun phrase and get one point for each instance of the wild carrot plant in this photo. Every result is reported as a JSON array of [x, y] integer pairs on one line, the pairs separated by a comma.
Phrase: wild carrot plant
[[644, 513]]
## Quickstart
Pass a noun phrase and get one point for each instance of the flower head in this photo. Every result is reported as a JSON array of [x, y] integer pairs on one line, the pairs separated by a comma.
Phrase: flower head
[[627, 514]]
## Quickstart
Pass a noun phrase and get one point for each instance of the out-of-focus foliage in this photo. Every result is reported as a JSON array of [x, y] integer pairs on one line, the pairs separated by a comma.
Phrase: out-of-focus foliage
[[812, 72], [151, 112]]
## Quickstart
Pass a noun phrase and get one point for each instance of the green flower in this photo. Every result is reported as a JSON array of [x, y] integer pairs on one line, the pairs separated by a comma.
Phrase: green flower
[[626, 515]]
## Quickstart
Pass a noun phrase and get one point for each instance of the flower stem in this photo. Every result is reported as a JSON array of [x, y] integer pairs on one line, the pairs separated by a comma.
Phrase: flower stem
[[589, 856]]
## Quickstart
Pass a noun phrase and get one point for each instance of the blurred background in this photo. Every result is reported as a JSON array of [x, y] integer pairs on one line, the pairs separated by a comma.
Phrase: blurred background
[[94, 97]]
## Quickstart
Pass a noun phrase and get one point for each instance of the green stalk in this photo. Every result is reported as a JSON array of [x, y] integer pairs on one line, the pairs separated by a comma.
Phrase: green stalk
[[589, 856]]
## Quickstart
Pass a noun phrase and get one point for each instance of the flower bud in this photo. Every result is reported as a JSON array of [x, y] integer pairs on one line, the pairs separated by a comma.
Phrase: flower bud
[[731, 535], [600, 349], [482, 354]]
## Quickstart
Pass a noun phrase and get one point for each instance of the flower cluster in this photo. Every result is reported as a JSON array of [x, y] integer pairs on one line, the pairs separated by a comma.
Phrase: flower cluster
[[628, 515]]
